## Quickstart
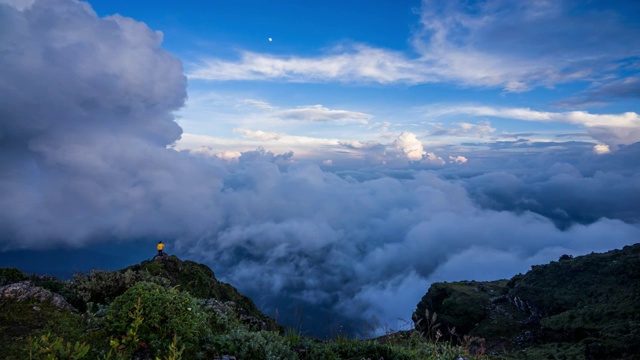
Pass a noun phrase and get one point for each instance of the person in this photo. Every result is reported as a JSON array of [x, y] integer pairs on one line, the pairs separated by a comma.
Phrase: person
[[160, 248]]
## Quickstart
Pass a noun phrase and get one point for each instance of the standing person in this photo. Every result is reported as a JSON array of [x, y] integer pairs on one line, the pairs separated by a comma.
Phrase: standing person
[[160, 248]]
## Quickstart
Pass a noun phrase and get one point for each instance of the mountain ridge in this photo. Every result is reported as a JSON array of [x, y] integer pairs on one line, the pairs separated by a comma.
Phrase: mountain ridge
[[587, 304], [573, 308]]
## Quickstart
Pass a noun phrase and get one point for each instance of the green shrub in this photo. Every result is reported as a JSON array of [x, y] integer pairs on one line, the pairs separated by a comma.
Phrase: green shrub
[[21, 319], [48, 347], [157, 314], [222, 317], [11, 275], [261, 345], [100, 287]]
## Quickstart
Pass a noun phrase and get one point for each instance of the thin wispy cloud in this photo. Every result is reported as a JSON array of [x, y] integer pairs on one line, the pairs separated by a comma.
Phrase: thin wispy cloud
[[612, 129], [522, 45], [359, 63], [260, 135], [478, 130], [319, 113], [626, 88], [514, 46]]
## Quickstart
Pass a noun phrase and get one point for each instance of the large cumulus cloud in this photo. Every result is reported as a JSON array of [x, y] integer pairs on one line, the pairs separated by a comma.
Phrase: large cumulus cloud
[[86, 113]]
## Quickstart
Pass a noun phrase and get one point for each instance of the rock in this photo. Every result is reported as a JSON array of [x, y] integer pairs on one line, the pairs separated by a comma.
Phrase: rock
[[230, 306], [24, 291], [159, 257]]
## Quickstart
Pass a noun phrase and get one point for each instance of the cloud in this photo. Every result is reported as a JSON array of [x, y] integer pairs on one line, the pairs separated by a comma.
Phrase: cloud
[[410, 145], [359, 63], [412, 148], [601, 149], [611, 129], [319, 113], [347, 246], [229, 155], [592, 187], [260, 135], [85, 127], [518, 46], [402, 152], [514, 46], [480, 129], [18, 4], [458, 159], [626, 88], [258, 104]]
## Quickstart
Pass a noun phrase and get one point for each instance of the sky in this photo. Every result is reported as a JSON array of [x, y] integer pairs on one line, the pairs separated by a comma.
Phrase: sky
[[329, 159]]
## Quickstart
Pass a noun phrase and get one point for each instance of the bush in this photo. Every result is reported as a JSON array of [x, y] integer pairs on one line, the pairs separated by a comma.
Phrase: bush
[[222, 316], [100, 287], [48, 347], [157, 314], [261, 345], [11, 275]]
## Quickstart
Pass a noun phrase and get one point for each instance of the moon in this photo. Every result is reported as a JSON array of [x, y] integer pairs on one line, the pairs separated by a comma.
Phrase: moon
[[270, 39]]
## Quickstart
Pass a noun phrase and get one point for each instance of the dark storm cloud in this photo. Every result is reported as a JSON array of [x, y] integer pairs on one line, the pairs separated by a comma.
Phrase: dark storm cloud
[[86, 114]]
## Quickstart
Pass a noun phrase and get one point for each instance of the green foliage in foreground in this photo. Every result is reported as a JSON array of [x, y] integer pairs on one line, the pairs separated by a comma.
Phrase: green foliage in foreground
[[150, 312], [55, 348]]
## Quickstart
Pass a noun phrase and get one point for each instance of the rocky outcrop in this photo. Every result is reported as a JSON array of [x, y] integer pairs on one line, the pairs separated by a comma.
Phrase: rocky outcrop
[[25, 291]]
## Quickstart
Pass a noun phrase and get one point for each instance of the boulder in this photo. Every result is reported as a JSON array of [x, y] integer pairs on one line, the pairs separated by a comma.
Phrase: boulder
[[25, 291]]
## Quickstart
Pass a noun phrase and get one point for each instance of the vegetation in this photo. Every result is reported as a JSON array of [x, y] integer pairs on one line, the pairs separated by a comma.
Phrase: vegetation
[[149, 316], [574, 308], [172, 309]]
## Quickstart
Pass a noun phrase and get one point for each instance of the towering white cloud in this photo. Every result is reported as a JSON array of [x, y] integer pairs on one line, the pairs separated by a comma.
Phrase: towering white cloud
[[410, 145], [86, 107]]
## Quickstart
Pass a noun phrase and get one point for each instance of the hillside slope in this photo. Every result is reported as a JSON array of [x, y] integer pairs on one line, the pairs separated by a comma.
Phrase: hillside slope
[[583, 307], [32, 305]]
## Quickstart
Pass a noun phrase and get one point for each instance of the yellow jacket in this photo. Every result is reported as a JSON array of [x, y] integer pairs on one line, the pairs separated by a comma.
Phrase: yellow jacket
[[160, 246]]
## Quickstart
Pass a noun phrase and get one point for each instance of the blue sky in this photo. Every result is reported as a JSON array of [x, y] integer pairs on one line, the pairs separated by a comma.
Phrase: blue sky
[[367, 71], [370, 149]]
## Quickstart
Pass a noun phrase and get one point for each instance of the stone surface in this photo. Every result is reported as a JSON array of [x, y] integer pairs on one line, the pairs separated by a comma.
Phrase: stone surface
[[25, 291]]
